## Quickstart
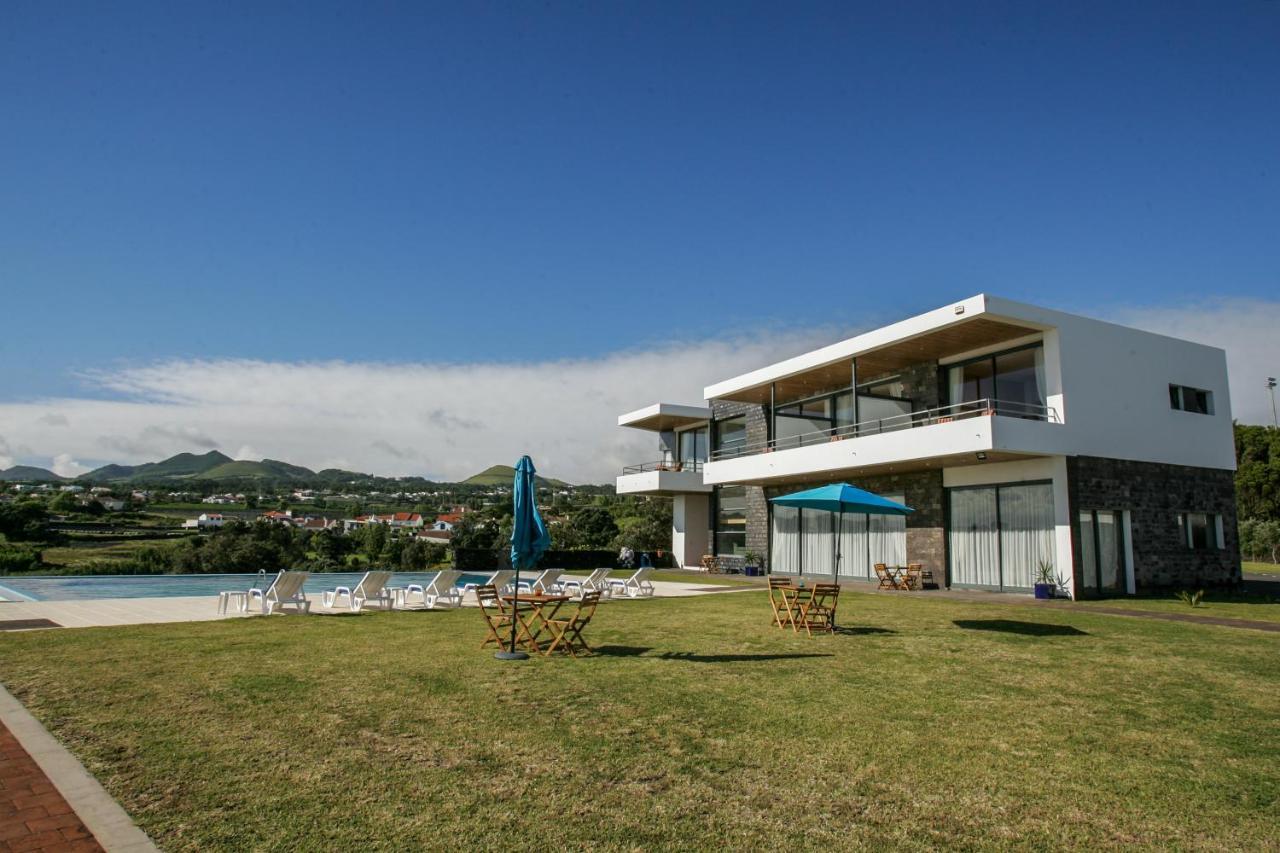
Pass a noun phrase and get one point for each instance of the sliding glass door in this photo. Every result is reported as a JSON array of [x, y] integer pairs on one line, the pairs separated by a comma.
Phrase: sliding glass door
[[804, 541], [1101, 550], [999, 535]]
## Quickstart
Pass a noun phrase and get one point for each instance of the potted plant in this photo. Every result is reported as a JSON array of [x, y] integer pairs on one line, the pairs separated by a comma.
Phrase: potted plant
[[752, 567], [1046, 581]]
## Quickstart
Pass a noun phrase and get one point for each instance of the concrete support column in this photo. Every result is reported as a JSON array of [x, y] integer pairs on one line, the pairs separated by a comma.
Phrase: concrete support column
[[690, 526]]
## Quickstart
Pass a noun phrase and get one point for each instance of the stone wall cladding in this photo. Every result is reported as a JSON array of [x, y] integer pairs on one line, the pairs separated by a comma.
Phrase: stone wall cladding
[[1154, 494], [920, 383], [922, 490], [757, 506]]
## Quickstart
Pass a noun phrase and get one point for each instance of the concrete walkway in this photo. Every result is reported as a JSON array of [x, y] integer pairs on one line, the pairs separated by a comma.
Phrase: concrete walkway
[[48, 801]]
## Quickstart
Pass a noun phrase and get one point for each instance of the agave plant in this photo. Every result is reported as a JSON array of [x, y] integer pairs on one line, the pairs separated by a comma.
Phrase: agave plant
[[1191, 599]]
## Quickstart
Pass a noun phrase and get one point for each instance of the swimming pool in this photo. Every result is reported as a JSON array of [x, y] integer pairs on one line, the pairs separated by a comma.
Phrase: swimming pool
[[166, 586]]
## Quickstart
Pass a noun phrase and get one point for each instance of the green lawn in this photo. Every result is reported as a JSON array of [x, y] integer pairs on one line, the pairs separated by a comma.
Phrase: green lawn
[[1261, 569], [108, 550], [929, 723], [1223, 605]]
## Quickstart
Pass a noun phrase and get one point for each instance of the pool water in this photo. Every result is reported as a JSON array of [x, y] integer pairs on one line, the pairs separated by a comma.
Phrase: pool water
[[166, 586]]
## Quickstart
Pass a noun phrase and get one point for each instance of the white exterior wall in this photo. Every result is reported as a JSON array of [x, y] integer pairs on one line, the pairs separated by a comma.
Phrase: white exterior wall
[[661, 482], [1110, 386], [1053, 469], [690, 526]]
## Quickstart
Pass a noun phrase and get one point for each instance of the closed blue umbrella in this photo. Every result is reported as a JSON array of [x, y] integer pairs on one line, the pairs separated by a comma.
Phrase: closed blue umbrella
[[841, 498], [529, 537]]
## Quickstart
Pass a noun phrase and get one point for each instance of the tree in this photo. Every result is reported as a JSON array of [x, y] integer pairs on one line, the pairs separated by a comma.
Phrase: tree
[[475, 531], [24, 521], [64, 502], [590, 527], [1257, 472]]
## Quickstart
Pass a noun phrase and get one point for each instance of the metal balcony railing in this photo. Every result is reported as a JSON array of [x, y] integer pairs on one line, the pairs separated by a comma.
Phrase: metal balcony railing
[[894, 423], [665, 465]]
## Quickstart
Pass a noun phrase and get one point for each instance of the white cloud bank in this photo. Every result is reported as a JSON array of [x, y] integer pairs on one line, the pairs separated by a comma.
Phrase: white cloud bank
[[448, 421], [444, 421]]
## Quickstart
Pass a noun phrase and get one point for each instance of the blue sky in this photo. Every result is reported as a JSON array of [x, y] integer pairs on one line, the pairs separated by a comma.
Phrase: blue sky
[[518, 182]]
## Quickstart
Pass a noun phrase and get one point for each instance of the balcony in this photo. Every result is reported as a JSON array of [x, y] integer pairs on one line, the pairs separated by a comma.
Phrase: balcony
[[663, 477], [962, 433]]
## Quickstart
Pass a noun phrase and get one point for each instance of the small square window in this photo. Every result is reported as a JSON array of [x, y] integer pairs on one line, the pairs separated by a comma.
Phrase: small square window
[[1199, 530], [1186, 399]]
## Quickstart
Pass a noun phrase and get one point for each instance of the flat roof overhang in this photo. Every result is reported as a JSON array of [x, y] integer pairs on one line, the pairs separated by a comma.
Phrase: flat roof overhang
[[957, 328], [851, 474], [665, 416]]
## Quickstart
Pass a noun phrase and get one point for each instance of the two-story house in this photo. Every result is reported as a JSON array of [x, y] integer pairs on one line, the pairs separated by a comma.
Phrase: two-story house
[[1021, 436]]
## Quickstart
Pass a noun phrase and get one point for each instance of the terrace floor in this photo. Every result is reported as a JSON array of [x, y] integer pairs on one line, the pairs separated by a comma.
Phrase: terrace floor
[[104, 612]]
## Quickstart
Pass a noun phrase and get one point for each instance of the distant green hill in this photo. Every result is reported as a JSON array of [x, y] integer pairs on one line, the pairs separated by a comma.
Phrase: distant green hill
[[29, 474], [181, 466], [267, 469], [503, 475]]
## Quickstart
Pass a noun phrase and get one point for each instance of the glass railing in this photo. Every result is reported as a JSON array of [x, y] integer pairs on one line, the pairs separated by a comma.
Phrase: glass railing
[[665, 465], [894, 423]]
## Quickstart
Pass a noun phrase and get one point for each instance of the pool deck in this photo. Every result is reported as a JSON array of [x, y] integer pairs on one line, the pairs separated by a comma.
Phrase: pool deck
[[101, 612]]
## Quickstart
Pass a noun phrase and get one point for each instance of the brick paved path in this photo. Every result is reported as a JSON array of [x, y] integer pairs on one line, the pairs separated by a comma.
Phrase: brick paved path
[[33, 815]]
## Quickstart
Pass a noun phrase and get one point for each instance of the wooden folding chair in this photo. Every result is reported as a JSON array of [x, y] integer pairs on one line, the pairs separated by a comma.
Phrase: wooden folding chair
[[782, 608], [567, 633], [885, 576], [496, 617], [819, 610], [911, 579]]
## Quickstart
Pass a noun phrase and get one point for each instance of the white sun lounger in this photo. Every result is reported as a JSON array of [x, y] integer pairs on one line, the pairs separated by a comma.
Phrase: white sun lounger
[[636, 586], [372, 589], [500, 580], [442, 589], [545, 582], [285, 591], [597, 581]]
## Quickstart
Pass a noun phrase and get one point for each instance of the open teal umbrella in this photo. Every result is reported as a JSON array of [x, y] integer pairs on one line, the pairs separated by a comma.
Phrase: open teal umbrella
[[841, 498], [529, 538]]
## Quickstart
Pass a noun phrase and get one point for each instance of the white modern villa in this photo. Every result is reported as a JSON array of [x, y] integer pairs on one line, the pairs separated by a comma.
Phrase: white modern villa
[[1020, 435]]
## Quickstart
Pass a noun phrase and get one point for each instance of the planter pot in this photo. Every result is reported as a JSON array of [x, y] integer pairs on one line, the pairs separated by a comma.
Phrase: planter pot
[[1045, 590], [751, 571]]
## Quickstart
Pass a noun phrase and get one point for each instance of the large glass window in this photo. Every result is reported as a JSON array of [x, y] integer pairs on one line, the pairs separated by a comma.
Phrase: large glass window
[[803, 423], [692, 445], [731, 521], [731, 434], [1014, 378]]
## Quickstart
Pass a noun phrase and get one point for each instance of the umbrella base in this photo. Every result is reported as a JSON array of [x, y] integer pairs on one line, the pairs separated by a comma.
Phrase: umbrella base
[[511, 656]]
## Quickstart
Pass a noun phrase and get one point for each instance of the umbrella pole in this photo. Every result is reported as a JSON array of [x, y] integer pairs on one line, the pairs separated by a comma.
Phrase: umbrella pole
[[835, 574], [512, 654], [515, 611]]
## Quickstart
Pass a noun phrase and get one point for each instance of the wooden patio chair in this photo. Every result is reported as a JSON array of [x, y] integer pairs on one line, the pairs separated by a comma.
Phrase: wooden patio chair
[[912, 578], [819, 609], [567, 633], [496, 617], [778, 600], [886, 578]]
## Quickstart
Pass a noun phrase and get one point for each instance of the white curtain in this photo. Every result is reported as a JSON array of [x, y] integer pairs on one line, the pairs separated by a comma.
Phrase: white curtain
[[889, 537], [1040, 383], [973, 538], [1109, 554], [1026, 533], [818, 541], [786, 541], [1088, 551], [853, 546]]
